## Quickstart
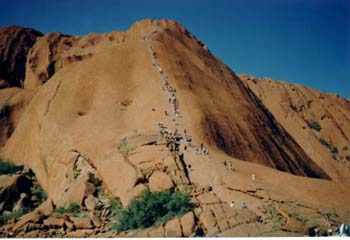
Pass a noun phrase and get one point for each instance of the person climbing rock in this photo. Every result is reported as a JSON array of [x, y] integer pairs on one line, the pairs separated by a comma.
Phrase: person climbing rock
[[229, 165], [199, 232], [330, 232], [205, 152], [232, 204], [311, 232], [244, 205]]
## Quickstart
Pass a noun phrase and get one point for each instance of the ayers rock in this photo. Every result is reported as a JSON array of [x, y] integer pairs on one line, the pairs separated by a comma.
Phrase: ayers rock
[[89, 107]]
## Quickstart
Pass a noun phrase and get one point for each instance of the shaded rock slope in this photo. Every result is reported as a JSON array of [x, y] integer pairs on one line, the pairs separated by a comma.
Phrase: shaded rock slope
[[319, 122], [152, 108], [15, 43]]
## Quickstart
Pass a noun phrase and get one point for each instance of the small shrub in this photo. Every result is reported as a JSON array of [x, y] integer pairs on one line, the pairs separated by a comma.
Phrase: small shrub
[[314, 125], [331, 148], [294, 215], [114, 206], [152, 209], [324, 142], [323, 232], [274, 217], [73, 208], [14, 215], [330, 214], [8, 168], [302, 219], [124, 148], [37, 190], [334, 151], [81, 215]]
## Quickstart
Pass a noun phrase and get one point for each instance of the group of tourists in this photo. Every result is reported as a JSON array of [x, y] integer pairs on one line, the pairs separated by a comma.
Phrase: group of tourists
[[244, 204]]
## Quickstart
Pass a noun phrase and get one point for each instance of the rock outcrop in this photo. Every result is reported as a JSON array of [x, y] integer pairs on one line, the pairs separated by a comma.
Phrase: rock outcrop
[[152, 109], [15, 43], [319, 122]]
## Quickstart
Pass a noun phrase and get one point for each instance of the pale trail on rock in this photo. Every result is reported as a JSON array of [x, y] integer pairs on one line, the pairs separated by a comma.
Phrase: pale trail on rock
[[177, 128]]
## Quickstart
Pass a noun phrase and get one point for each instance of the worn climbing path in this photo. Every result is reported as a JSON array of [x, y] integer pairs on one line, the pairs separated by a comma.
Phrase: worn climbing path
[[174, 110]]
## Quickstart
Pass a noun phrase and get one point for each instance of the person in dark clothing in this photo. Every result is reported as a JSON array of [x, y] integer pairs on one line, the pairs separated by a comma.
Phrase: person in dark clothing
[[199, 232], [311, 232]]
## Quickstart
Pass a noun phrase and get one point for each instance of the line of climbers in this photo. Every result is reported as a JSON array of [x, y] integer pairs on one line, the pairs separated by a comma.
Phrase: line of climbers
[[175, 140]]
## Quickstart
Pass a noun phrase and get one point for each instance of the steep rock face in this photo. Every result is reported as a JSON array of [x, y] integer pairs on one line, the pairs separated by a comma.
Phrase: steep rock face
[[83, 107], [81, 112], [54, 51], [222, 110], [15, 43], [320, 123]]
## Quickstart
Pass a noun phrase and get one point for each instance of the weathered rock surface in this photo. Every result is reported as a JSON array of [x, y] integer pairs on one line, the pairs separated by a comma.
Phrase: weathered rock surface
[[11, 188], [33, 217], [157, 232], [81, 223], [309, 116], [160, 181], [53, 222], [46, 208], [65, 107], [81, 233], [78, 105], [15, 43], [90, 202], [207, 218], [132, 194], [188, 224], [173, 228]]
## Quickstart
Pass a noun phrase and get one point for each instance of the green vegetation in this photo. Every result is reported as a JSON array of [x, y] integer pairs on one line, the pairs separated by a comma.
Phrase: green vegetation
[[300, 218], [330, 214], [38, 191], [314, 125], [81, 215], [186, 188], [8, 168], [73, 208], [294, 215], [152, 209], [13, 215], [331, 148], [124, 148], [114, 206], [323, 232], [334, 151], [274, 217], [303, 220], [324, 142]]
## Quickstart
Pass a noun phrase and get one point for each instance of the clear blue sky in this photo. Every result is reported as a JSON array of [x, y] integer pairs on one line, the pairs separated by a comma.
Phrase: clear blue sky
[[299, 41]]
